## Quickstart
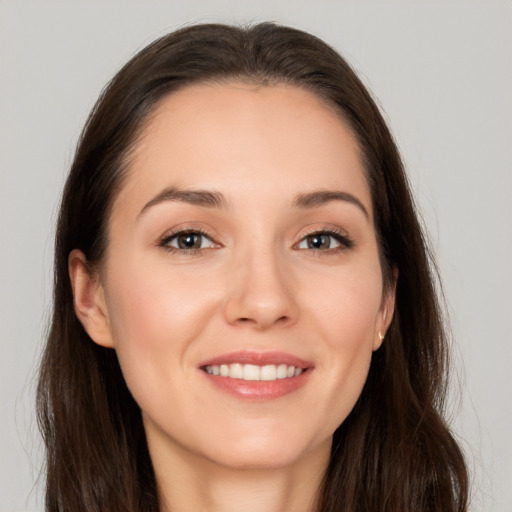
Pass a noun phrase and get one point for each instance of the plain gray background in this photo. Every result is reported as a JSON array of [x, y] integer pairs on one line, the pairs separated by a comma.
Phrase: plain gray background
[[442, 70]]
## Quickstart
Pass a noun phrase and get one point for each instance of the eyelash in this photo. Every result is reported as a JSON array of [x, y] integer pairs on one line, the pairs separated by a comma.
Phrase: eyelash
[[164, 242], [344, 240]]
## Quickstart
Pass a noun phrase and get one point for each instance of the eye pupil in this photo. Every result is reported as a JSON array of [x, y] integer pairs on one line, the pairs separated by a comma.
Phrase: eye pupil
[[319, 242], [189, 241]]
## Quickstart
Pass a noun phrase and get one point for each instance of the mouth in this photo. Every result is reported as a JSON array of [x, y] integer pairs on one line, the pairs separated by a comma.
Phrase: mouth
[[252, 372], [257, 376]]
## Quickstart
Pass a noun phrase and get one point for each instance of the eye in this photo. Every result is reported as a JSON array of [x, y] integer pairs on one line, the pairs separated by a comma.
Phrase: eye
[[323, 241], [187, 240]]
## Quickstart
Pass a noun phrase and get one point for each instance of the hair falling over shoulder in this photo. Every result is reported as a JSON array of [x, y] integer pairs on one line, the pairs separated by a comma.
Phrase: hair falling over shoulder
[[395, 451]]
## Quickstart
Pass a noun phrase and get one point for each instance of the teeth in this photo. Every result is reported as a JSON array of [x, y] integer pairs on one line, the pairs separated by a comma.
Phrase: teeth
[[282, 371], [236, 371], [254, 372], [251, 372], [269, 372]]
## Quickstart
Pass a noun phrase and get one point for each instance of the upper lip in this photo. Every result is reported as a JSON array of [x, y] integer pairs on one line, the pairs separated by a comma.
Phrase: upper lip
[[258, 359]]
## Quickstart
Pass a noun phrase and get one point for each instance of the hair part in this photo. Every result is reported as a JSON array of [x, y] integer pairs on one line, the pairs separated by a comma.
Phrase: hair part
[[394, 452]]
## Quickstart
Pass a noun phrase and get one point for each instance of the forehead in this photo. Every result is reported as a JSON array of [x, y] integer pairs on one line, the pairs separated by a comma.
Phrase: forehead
[[235, 135]]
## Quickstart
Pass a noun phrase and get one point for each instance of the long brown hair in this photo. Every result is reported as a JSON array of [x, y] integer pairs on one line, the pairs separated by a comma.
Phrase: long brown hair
[[394, 452]]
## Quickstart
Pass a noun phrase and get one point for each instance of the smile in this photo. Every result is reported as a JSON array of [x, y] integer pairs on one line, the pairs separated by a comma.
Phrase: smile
[[251, 372], [255, 375]]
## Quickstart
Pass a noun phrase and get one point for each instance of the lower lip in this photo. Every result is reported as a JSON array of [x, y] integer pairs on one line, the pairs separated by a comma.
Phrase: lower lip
[[258, 389]]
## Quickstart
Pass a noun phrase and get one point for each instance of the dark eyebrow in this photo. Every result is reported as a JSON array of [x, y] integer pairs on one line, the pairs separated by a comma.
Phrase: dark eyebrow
[[204, 198], [318, 198]]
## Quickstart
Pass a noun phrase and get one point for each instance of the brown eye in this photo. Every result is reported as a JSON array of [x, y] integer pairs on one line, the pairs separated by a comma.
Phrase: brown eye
[[321, 241], [318, 241], [188, 240]]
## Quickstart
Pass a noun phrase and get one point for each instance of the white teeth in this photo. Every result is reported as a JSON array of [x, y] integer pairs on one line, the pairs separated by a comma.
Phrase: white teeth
[[236, 371], [253, 372], [282, 371], [269, 372]]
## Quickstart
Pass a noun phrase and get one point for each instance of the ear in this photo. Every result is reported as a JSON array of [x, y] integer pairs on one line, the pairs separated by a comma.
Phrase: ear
[[89, 300], [386, 311]]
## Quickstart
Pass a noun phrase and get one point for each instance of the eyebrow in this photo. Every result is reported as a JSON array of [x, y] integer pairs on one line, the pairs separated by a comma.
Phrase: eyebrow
[[211, 199], [321, 197], [204, 198]]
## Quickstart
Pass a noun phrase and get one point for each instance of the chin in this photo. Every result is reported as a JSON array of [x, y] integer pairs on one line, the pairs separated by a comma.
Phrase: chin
[[265, 450]]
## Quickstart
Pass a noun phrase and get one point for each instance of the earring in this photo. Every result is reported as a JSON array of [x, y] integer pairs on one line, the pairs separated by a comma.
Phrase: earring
[[381, 336]]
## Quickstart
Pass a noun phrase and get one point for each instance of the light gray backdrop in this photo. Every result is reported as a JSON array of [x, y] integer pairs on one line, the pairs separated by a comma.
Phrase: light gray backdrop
[[442, 71]]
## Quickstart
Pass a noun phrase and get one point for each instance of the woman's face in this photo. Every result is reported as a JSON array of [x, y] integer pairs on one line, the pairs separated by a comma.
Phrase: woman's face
[[241, 287]]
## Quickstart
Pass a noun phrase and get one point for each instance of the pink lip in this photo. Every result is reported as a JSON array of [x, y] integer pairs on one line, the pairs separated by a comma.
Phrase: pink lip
[[258, 390], [258, 358]]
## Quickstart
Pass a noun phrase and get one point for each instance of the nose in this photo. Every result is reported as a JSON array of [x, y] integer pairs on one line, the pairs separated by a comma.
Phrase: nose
[[260, 292]]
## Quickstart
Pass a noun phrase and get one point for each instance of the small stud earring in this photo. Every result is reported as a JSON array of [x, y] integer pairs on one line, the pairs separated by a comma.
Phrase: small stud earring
[[381, 336]]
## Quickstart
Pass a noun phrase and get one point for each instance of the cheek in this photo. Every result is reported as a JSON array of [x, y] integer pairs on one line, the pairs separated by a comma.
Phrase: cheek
[[155, 318], [347, 307], [150, 306], [346, 320]]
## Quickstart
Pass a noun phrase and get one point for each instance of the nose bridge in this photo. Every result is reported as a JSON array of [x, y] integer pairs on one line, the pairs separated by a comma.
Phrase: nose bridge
[[260, 293]]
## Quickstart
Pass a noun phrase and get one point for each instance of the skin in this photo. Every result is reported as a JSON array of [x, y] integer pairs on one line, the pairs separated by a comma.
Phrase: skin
[[254, 285]]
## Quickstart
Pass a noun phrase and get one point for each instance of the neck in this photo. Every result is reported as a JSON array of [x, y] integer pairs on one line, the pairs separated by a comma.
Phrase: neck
[[189, 482]]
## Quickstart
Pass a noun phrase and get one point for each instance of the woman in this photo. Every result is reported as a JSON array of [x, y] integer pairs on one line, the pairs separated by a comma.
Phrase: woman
[[245, 315]]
